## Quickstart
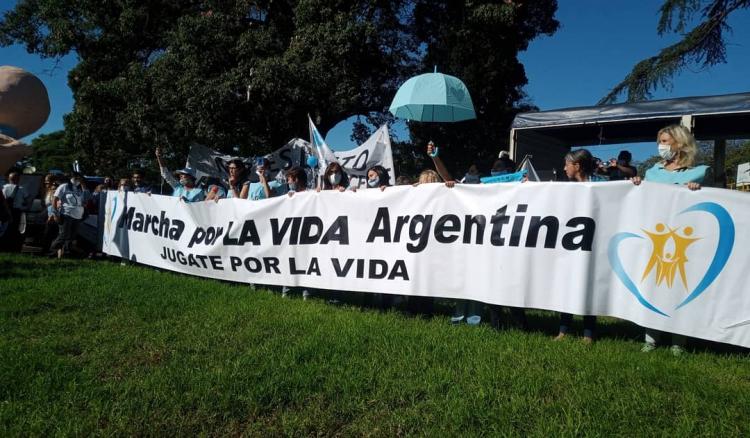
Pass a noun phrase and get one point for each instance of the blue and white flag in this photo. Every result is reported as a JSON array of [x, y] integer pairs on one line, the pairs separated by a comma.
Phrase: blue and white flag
[[323, 152]]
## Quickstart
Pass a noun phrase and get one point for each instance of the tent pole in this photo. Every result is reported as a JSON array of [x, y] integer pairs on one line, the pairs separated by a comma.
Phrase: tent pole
[[720, 156]]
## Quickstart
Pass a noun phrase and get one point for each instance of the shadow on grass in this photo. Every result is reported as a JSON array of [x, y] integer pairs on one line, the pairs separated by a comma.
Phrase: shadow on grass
[[545, 323], [26, 266]]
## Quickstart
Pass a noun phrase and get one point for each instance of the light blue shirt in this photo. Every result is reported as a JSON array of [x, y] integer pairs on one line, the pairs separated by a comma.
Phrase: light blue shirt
[[255, 191], [685, 175], [196, 194], [231, 193]]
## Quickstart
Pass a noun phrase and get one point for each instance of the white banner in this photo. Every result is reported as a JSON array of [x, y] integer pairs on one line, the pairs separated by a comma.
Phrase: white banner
[[658, 255], [375, 151], [355, 162]]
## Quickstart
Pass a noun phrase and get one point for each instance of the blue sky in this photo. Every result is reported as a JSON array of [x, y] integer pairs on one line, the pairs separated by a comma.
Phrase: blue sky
[[596, 46]]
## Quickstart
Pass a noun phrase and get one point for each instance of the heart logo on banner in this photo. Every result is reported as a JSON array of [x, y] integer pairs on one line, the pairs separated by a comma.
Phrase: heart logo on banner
[[668, 272], [109, 216]]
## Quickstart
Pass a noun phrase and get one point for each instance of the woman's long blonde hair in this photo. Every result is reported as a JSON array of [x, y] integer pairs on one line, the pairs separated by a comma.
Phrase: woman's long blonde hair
[[429, 176], [687, 148]]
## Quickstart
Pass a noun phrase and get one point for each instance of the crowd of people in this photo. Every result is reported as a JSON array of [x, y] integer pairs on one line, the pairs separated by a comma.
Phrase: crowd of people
[[67, 200], [64, 202]]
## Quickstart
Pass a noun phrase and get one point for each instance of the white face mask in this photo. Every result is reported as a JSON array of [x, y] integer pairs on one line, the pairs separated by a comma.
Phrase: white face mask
[[666, 152], [372, 183], [334, 178]]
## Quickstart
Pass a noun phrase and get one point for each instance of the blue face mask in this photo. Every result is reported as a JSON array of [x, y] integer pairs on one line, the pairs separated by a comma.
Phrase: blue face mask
[[292, 186], [471, 179], [373, 182]]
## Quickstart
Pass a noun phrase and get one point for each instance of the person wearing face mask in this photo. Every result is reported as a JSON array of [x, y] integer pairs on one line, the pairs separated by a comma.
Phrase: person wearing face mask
[[677, 148], [69, 201], [334, 178], [378, 177], [263, 188], [296, 180], [185, 187], [579, 167], [472, 176]]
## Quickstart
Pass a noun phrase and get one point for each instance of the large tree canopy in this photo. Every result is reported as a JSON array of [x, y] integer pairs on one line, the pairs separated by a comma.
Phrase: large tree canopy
[[242, 75], [702, 47]]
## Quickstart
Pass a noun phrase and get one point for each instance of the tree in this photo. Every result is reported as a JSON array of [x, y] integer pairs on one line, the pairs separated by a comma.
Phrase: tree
[[241, 76], [737, 153], [479, 43], [50, 151], [704, 46]]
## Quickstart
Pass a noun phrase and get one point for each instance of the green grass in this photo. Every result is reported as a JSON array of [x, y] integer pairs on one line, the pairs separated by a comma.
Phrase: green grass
[[97, 348]]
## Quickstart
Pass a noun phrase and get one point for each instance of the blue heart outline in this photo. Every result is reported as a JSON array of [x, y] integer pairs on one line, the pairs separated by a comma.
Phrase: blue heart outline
[[614, 261], [723, 251], [114, 209]]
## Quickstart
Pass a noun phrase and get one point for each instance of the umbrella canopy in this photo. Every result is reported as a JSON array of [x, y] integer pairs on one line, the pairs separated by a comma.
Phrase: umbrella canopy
[[433, 97]]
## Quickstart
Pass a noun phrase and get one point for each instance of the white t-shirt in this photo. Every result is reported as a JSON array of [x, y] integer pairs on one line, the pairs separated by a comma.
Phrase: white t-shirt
[[73, 199], [21, 196]]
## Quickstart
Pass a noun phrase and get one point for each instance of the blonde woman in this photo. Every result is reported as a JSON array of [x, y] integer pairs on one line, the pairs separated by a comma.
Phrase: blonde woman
[[428, 176], [677, 148]]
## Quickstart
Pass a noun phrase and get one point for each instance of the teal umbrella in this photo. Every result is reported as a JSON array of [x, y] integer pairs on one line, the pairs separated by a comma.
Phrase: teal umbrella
[[433, 97]]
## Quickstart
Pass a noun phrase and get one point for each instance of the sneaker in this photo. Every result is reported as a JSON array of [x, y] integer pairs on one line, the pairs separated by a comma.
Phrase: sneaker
[[474, 320], [648, 347], [305, 295], [588, 340], [284, 291], [559, 337], [457, 319], [676, 350]]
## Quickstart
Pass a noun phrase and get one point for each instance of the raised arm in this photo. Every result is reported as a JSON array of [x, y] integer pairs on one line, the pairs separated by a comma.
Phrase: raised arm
[[165, 173], [438, 162], [264, 183]]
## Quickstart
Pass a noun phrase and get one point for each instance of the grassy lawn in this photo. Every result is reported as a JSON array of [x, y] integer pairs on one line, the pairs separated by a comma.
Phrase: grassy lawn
[[98, 348]]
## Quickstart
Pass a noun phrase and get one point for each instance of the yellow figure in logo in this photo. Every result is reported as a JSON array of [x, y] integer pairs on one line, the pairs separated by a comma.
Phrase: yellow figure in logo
[[659, 241], [668, 264], [680, 254]]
